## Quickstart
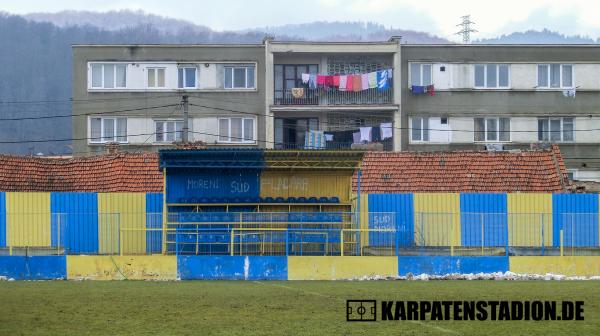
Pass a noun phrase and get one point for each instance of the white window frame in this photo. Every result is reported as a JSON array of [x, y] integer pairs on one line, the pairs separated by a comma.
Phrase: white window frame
[[423, 128], [165, 134], [233, 68], [485, 129], [183, 87], [561, 132], [103, 121], [485, 74], [548, 70], [236, 141], [420, 73], [103, 86], [156, 69]]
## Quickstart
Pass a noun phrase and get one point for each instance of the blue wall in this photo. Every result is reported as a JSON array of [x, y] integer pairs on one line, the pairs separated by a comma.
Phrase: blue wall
[[222, 183], [77, 216], [441, 265], [154, 210], [403, 207], [232, 268], [578, 230], [487, 212], [2, 219], [33, 268]]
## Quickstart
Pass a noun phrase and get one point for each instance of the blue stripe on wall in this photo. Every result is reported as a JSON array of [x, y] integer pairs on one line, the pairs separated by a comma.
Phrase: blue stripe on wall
[[442, 265], [154, 212], [33, 268], [577, 216], [487, 212], [232, 268], [2, 219], [402, 206], [76, 215]]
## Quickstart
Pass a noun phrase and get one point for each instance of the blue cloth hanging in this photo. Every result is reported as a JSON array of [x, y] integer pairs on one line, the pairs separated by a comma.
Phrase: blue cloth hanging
[[383, 80], [418, 89]]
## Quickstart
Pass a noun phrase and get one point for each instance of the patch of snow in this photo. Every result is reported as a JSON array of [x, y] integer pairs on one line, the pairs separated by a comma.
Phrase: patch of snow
[[508, 276]]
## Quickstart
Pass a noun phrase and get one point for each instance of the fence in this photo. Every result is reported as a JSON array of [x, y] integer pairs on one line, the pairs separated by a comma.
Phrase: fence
[[301, 233]]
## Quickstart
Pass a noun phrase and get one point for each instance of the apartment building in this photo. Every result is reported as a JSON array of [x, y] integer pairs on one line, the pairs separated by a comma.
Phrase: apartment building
[[438, 97], [506, 96], [130, 95]]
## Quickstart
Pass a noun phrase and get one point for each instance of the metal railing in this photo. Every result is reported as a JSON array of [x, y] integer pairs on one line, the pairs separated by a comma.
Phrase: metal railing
[[301, 233], [325, 96]]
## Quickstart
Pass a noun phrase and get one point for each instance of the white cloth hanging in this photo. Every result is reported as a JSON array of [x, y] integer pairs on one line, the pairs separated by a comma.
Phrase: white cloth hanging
[[386, 130], [365, 134], [305, 78]]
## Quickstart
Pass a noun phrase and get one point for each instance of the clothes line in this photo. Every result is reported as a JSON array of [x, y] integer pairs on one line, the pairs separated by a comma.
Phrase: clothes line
[[380, 80]]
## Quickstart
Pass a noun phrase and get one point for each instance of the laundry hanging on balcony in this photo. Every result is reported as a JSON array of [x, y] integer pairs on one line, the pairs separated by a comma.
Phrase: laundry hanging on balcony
[[423, 89], [314, 140], [380, 80]]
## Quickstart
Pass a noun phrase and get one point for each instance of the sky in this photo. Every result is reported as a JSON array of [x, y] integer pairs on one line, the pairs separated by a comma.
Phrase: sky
[[440, 17]]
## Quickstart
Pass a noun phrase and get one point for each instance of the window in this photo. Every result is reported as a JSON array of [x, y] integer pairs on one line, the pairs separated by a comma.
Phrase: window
[[492, 129], [239, 77], [168, 130], [236, 130], [186, 77], [108, 130], [555, 76], [420, 129], [109, 76], [491, 75], [420, 74], [555, 129], [156, 77]]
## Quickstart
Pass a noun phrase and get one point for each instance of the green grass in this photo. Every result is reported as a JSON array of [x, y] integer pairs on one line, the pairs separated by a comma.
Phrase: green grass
[[277, 308]]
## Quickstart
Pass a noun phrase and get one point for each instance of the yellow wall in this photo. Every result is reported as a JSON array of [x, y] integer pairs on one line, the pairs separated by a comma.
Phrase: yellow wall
[[118, 214], [364, 215], [437, 219], [335, 268], [28, 219], [306, 184], [526, 213], [121, 268], [570, 266]]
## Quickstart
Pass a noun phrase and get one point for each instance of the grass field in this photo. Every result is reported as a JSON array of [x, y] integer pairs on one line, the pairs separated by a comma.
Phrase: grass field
[[269, 307]]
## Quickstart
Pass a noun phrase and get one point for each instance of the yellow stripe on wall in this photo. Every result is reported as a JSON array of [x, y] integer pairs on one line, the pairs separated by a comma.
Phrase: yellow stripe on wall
[[121, 267], [122, 218], [28, 219], [306, 184], [363, 216], [339, 268], [528, 214], [569, 266], [437, 219]]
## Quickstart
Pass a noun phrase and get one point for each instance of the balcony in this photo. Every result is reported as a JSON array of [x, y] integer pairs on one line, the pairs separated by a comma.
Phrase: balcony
[[333, 97]]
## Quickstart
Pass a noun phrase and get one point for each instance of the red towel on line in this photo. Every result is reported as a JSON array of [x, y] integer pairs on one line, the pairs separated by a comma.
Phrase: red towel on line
[[431, 90], [349, 83], [320, 80], [356, 83], [328, 81], [336, 81]]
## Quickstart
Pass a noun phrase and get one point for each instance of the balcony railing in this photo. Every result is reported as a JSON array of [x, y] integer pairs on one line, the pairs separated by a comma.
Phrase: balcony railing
[[322, 96]]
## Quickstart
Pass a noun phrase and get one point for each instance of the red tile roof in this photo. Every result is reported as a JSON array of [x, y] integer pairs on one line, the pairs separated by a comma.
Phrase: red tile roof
[[464, 171], [533, 171], [105, 173]]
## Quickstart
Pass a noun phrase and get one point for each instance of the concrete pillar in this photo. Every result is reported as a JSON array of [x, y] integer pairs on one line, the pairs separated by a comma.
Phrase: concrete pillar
[[269, 122], [397, 86]]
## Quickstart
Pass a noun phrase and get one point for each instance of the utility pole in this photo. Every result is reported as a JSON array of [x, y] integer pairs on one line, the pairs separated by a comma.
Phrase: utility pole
[[466, 29], [185, 129]]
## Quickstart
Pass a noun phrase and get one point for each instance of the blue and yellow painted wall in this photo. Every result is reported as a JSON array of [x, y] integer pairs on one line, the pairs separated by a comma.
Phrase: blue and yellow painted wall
[[29, 219]]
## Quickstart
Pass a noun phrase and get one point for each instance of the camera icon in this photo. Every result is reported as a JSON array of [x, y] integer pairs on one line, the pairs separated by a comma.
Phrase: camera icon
[[361, 310]]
